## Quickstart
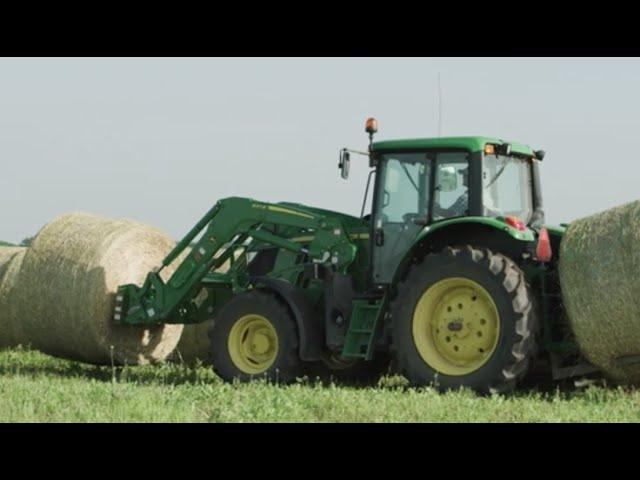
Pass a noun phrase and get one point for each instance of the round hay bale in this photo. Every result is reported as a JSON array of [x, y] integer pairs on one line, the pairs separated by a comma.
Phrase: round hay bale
[[194, 344], [6, 254], [599, 272], [65, 291], [10, 263]]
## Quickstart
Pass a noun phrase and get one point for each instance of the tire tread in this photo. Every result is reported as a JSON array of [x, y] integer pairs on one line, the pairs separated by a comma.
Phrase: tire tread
[[524, 345]]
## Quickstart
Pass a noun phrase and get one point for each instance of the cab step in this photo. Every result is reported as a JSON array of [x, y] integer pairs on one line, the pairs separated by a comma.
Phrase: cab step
[[363, 325]]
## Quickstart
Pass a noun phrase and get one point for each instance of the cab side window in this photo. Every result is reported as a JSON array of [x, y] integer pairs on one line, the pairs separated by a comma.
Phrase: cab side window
[[404, 190], [451, 197]]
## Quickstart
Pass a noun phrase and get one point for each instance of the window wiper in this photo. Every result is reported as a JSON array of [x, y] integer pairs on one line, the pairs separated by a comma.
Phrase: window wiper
[[404, 167], [493, 180]]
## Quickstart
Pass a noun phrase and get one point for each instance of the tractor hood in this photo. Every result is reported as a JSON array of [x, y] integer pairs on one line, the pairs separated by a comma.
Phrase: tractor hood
[[350, 222]]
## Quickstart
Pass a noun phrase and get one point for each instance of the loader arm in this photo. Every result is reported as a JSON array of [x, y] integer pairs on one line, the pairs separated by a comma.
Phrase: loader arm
[[230, 223]]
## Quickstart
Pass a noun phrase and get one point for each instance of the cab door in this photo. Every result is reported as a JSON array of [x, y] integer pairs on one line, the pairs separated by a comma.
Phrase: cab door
[[401, 209]]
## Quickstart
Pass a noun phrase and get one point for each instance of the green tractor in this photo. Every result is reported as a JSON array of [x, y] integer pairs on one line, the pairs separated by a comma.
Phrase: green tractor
[[450, 279]]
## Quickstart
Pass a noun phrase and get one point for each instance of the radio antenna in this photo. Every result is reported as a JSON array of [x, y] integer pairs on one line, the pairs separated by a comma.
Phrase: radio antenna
[[439, 107]]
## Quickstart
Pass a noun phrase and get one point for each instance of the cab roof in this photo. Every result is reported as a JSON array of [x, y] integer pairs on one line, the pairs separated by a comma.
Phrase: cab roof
[[473, 144]]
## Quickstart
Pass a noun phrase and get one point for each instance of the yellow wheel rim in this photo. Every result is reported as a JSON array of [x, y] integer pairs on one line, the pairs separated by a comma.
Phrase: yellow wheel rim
[[253, 344], [456, 326]]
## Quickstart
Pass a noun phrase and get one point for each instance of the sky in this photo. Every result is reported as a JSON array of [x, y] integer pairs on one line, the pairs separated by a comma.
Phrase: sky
[[161, 140]]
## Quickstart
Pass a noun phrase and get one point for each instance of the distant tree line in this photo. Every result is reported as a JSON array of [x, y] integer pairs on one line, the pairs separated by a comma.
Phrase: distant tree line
[[26, 242]]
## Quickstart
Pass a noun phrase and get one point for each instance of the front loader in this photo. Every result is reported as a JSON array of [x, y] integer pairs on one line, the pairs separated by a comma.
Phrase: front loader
[[452, 274]]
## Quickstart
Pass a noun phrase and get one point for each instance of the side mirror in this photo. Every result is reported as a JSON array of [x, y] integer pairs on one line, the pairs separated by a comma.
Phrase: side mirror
[[343, 164], [448, 179]]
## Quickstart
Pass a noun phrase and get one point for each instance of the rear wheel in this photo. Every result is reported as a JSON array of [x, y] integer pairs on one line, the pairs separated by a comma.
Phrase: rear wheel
[[464, 317], [255, 336]]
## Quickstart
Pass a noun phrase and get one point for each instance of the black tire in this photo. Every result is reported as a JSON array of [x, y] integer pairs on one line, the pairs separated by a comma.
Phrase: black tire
[[287, 364], [505, 282], [358, 372]]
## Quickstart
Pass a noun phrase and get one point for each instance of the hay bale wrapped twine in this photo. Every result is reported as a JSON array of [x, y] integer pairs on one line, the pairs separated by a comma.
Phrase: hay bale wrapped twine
[[10, 263], [6, 255], [64, 294], [194, 344], [600, 279]]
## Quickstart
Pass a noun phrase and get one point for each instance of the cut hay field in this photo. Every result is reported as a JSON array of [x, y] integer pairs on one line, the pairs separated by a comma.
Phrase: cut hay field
[[38, 388]]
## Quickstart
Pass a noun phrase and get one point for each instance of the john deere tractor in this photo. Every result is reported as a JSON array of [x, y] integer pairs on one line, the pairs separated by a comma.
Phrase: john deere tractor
[[450, 278]]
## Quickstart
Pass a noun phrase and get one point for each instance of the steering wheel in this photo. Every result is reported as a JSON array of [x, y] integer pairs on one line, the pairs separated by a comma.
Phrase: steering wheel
[[410, 217]]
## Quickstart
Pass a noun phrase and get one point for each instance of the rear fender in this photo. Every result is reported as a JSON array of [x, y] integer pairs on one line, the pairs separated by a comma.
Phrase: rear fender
[[485, 232]]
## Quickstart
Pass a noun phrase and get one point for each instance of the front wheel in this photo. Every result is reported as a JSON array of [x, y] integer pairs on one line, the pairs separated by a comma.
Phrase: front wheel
[[464, 317], [255, 336]]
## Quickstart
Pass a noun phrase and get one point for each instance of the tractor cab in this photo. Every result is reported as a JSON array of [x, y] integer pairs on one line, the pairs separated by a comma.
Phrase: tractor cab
[[420, 183]]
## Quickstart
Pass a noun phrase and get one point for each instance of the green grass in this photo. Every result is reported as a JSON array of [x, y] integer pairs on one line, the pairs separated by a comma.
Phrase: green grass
[[38, 388]]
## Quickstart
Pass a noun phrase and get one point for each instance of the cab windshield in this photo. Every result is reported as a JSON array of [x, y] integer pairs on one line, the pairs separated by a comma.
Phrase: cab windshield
[[507, 187]]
